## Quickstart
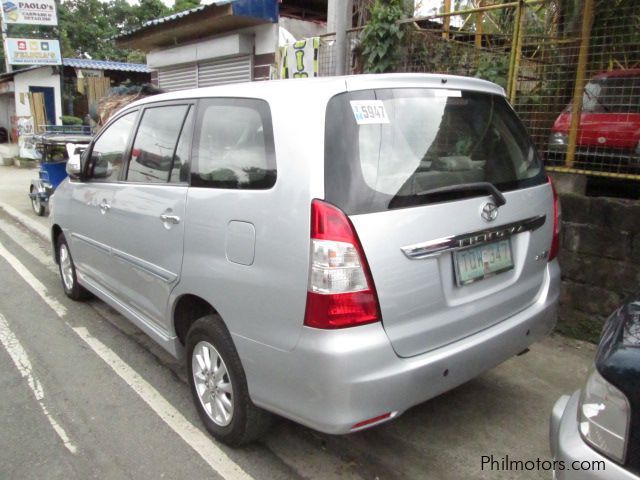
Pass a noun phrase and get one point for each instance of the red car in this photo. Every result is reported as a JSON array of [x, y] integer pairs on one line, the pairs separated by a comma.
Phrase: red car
[[609, 130]]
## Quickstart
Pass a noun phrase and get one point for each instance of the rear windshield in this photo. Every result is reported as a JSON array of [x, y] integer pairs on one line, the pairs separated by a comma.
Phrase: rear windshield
[[612, 95], [390, 148]]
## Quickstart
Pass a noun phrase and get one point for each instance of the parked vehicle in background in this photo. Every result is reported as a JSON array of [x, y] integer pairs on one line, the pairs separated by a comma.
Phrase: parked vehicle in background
[[331, 250], [601, 422], [55, 148], [609, 130]]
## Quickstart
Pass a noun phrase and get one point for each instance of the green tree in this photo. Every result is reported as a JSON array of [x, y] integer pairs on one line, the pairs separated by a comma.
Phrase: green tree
[[147, 10], [382, 37], [181, 5], [89, 26]]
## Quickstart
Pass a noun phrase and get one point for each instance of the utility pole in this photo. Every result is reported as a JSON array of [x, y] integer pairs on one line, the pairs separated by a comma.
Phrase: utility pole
[[339, 14], [8, 66]]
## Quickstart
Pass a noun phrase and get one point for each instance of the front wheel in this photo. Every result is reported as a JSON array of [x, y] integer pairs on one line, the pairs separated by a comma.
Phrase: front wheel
[[36, 204], [219, 385], [67, 270]]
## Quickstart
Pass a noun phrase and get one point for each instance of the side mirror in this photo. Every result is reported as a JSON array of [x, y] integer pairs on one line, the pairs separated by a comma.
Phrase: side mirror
[[101, 167], [74, 167], [75, 162]]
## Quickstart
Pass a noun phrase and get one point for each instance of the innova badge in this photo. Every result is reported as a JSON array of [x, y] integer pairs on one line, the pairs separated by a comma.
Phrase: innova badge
[[489, 212]]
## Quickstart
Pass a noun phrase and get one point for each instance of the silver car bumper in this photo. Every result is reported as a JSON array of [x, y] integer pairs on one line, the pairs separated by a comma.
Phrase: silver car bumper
[[336, 379], [575, 459]]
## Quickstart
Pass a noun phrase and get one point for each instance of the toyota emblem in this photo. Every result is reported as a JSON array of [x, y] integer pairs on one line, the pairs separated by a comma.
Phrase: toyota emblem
[[489, 212]]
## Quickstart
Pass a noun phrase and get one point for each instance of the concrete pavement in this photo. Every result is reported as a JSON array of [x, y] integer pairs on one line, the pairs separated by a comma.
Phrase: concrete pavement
[[14, 194], [119, 434]]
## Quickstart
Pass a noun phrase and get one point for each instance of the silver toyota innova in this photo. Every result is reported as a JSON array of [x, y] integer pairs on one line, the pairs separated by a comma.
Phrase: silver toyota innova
[[334, 251]]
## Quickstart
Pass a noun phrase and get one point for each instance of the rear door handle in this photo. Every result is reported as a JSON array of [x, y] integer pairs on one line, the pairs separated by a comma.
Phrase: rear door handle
[[173, 219]]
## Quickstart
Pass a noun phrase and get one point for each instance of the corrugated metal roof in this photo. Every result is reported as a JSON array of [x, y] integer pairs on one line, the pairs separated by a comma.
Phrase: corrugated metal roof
[[105, 65], [87, 64], [175, 16], [217, 16], [26, 69]]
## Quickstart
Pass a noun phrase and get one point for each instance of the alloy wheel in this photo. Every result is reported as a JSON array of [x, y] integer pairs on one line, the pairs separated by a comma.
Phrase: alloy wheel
[[66, 268], [212, 383]]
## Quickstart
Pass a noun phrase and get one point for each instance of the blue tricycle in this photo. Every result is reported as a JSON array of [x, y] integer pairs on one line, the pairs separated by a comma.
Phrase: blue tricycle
[[54, 148]]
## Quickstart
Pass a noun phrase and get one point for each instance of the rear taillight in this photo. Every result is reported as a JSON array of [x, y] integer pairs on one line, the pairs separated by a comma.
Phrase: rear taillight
[[557, 220], [341, 292]]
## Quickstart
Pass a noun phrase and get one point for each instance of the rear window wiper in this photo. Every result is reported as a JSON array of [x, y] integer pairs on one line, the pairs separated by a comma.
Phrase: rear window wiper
[[468, 187]]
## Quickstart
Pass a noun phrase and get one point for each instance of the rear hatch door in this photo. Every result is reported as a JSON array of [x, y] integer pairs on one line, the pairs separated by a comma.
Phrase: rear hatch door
[[410, 166]]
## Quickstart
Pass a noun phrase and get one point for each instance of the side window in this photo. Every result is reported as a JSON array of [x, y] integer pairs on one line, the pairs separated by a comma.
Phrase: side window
[[152, 155], [107, 153], [234, 145], [180, 170]]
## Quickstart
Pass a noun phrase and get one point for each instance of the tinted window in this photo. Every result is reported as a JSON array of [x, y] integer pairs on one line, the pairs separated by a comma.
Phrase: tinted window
[[155, 144], [180, 170], [411, 141], [108, 151], [234, 145]]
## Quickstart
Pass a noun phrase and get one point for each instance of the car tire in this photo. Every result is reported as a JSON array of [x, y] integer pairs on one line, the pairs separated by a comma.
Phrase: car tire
[[219, 385], [36, 205], [67, 270]]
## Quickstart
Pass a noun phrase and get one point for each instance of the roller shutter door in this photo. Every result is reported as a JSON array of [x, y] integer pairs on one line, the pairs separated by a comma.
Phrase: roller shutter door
[[206, 74], [179, 77], [228, 70]]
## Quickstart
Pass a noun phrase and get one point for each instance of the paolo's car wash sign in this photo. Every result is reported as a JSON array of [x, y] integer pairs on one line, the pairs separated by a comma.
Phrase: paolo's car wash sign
[[30, 51], [36, 12]]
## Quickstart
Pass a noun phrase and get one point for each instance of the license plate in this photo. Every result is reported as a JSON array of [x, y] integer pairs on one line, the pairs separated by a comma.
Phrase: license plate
[[476, 263]]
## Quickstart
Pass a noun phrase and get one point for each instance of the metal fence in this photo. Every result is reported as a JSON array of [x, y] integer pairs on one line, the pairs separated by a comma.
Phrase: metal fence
[[571, 69], [327, 53]]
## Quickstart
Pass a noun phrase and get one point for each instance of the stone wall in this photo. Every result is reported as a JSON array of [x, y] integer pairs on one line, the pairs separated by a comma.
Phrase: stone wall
[[600, 261]]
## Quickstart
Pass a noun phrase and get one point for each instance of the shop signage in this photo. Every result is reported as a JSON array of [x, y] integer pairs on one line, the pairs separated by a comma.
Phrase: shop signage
[[37, 12], [30, 51]]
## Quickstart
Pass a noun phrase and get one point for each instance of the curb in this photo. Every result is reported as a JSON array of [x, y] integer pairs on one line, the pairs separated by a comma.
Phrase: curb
[[28, 223]]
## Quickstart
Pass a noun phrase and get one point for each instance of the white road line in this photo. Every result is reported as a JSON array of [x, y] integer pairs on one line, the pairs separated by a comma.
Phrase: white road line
[[195, 438], [200, 442], [27, 243], [27, 221], [33, 282], [23, 364]]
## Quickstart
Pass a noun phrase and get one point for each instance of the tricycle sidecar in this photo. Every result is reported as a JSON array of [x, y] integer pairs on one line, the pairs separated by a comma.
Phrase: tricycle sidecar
[[55, 149]]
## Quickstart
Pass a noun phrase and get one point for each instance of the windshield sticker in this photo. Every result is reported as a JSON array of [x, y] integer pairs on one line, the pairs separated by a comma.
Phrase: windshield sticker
[[369, 112]]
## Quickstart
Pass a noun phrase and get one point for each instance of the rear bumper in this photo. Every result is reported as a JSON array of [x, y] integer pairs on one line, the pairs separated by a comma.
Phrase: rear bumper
[[333, 380], [575, 460]]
